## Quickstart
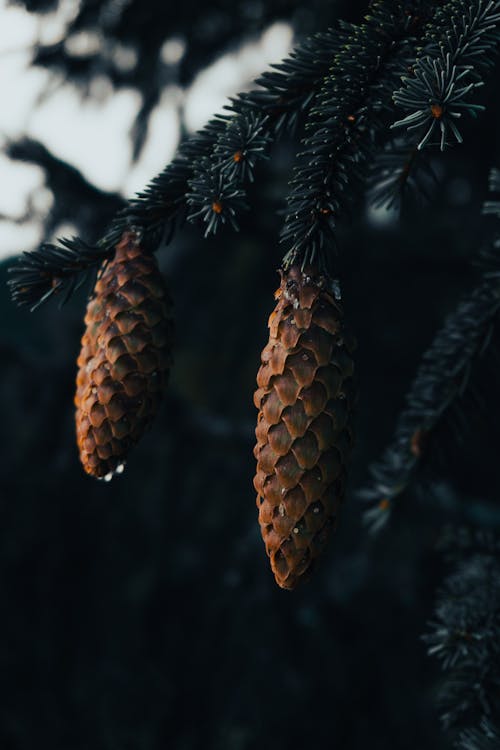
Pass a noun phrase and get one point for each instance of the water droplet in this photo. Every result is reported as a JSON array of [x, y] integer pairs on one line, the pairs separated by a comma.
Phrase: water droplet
[[336, 289]]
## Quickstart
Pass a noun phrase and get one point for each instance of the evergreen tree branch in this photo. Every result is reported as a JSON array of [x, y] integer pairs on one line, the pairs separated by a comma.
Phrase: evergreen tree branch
[[217, 192], [258, 116], [493, 207], [459, 44], [441, 378], [464, 636], [53, 270], [346, 76], [487, 737], [460, 48], [398, 171], [456, 51], [344, 124]]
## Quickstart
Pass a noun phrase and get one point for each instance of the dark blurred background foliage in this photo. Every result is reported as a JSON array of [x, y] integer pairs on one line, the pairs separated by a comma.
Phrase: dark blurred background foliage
[[141, 613]]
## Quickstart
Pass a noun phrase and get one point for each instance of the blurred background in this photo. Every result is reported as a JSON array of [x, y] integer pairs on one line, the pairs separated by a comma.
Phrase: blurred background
[[142, 613]]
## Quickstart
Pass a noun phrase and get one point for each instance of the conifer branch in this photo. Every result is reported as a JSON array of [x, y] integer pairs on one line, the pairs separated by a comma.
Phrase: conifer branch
[[346, 77], [217, 191], [493, 207], [343, 127], [398, 171], [459, 50], [464, 637], [441, 378], [53, 270], [258, 116], [487, 737]]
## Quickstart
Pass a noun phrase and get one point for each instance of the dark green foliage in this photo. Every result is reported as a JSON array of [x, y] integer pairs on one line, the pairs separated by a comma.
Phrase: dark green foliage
[[240, 146], [217, 193], [464, 636], [189, 179], [493, 207], [458, 50], [343, 82], [485, 738], [437, 95], [345, 119], [215, 201], [398, 173], [441, 380], [52, 270], [148, 598]]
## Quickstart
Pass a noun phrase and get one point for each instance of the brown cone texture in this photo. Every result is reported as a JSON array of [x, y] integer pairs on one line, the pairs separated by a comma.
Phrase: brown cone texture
[[304, 437], [124, 360]]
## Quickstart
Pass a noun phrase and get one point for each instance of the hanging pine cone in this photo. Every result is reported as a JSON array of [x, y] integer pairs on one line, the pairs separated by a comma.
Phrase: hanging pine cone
[[124, 360], [304, 436]]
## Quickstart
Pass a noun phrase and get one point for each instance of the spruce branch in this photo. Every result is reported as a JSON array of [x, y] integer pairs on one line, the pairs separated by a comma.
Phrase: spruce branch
[[240, 146], [342, 130], [441, 378], [437, 96], [398, 171], [53, 270], [284, 94], [216, 201], [287, 90], [459, 51], [487, 737], [464, 636], [217, 192], [344, 76], [493, 207]]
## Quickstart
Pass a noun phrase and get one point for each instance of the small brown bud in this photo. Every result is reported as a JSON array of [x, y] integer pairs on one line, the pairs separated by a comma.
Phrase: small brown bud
[[437, 111]]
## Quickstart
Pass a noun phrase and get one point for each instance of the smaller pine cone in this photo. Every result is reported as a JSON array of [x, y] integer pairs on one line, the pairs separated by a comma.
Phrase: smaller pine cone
[[304, 436], [124, 360]]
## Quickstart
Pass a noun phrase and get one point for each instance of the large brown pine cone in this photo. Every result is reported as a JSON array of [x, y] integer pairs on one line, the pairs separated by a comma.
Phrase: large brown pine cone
[[304, 436], [124, 360]]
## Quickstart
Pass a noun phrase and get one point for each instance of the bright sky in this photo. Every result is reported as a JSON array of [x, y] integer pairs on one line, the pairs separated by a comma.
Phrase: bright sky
[[93, 134]]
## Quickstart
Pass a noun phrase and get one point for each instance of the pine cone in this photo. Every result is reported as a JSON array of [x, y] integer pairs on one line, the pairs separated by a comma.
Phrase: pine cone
[[124, 360], [305, 401]]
